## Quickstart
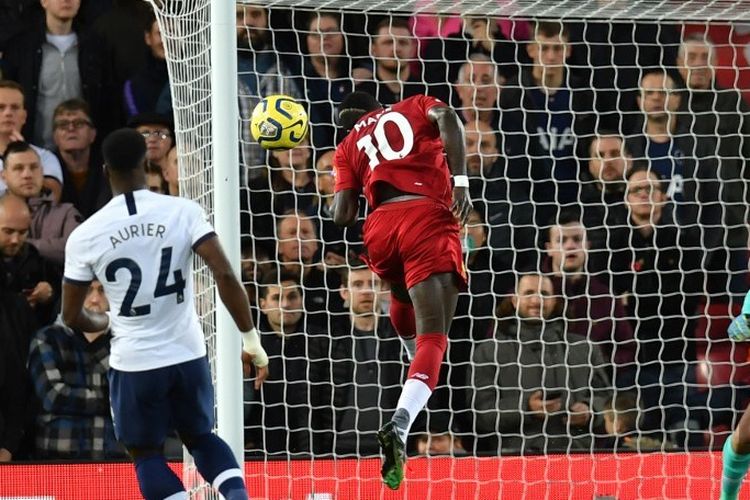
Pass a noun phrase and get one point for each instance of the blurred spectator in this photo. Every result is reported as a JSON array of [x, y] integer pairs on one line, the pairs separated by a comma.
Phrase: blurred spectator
[[338, 242], [289, 184], [120, 25], [142, 90], [603, 187], [68, 369], [328, 74], [260, 73], [15, 16], [366, 368], [546, 119], [691, 163], [478, 85], [654, 139], [655, 266], [475, 35], [74, 133], [155, 179], [159, 134], [16, 327], [22, 270], [298, 251], [589, 306], [12, 119], [717, 116], [171, 172], [506, 212], [622, 414], [255, 263], [610, 55], [51, 222], [279, 415], [538, 387], [393, 48], [55, 60], [439, 439]]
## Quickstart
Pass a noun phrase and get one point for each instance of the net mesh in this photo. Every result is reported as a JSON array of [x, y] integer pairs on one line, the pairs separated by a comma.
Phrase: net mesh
[[637, 358]]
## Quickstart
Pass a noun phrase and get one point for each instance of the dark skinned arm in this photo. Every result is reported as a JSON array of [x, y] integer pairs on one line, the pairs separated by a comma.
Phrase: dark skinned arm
[[452, 134], [233, 295], [345, 207]]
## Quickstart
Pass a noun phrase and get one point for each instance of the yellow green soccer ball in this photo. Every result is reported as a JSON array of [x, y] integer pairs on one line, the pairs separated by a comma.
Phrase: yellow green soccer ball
[[279, 122]]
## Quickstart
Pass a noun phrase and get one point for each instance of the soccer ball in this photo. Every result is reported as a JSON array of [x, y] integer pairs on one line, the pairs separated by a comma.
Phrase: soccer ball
[[279, 122]]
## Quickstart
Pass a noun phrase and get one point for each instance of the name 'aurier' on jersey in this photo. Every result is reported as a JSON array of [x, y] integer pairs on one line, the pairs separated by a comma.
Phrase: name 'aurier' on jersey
[[140, 247], [401, 146]]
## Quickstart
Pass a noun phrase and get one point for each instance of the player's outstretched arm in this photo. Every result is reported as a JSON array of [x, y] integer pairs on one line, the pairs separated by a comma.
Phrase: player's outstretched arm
[[345, 207], [452, 135], [233, 296], [73, 313]]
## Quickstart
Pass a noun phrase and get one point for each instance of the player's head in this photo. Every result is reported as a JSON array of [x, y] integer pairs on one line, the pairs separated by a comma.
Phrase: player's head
[[355, 106], [124, 152]]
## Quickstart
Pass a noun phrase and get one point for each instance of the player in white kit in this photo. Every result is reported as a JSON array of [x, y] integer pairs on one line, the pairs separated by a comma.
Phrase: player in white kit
[[140, 247]]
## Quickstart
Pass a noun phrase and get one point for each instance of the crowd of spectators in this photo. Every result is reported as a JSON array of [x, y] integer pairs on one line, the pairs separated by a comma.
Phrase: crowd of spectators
[[606, 250]]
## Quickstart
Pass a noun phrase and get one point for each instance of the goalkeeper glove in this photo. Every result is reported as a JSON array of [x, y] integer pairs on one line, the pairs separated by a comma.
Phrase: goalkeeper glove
[[740, 329], [251, 345]]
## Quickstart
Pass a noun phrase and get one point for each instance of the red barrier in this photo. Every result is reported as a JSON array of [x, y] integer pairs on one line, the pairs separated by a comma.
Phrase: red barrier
[[656, 476]]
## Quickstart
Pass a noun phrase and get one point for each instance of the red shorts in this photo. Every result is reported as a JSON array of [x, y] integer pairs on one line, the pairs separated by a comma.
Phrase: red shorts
[[408, 241]]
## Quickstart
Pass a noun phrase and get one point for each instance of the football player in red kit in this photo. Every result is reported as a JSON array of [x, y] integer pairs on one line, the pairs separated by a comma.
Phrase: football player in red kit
[[402, 158]]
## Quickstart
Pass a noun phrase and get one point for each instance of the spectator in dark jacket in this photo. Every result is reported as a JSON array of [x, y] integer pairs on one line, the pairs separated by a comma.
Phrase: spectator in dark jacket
[[55, 61], [366, 369], [278, 417], [590, 308], [75, 134], [22, 270], [68, 370], [546, 117], [142, 91], [538, 388], [655, 266], [16, 328]]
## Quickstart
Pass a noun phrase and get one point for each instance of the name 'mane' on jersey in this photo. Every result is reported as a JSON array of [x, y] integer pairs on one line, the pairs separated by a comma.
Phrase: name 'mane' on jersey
[[140, 247], [398, 145]]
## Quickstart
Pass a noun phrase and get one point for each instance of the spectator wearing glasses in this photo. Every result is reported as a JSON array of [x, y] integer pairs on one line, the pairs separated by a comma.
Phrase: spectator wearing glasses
[[74, 134], [157, 129], [12, 119]]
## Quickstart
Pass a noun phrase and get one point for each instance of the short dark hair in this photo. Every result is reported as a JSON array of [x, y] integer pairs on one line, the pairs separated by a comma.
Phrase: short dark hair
[[124, 150], [354, 106], [354, 263], [392, 22], [72, 105], [16, 147], [275, 277], [550, 29]]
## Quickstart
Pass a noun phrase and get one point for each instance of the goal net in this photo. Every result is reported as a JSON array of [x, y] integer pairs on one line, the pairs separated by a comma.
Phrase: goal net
[[607, 144]]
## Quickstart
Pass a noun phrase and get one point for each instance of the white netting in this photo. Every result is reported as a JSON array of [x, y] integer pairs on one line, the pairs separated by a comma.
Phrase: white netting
[[649, 316]]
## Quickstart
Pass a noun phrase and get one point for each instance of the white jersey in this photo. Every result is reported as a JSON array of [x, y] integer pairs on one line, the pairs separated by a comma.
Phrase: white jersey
[[140, 246]]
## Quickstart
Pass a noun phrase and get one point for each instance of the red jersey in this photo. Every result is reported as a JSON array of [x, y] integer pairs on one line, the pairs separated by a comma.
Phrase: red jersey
[[398, 145]]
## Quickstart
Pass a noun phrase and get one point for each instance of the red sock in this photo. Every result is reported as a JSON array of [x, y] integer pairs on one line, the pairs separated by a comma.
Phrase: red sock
[[402, 318], [426, 364]]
